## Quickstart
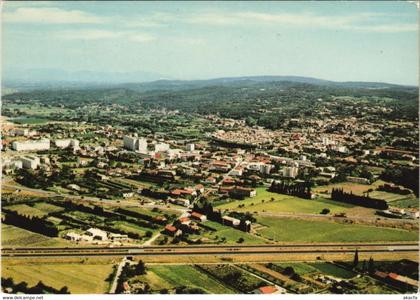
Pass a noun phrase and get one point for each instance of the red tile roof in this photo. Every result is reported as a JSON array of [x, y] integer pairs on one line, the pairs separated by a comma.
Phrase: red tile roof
[[170, 228], [268, 289]]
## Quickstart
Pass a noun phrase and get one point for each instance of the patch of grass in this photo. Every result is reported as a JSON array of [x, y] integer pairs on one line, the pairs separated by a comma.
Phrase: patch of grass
[[389, 197], [79, 278], [29, 120], [27, 210], [333, 270], [284, 203], [48, 208], [12, 236], [299, 268], [294, 230], [178, 275], [230, 234], [356, 188]]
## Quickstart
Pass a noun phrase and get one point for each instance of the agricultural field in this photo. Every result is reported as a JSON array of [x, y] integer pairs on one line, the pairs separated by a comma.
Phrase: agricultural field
[[12, 236], [230, 235], [284, 203], [79, 278], [295, 230], [48, 208], [356, 188], [29, 120], [171, 276], [234, 276], [24, 209], [332, 270]]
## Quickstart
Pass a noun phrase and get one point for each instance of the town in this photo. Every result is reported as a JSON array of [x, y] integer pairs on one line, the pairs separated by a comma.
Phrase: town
[[206, 180]]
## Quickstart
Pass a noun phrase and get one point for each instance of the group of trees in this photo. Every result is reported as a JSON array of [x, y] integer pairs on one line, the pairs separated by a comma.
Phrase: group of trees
[[299, 189], [338, 194], [39, 288], [407, 177], [31, 223]]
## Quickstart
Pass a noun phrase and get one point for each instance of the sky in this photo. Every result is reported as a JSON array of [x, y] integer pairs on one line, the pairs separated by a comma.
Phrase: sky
[[338, 40]]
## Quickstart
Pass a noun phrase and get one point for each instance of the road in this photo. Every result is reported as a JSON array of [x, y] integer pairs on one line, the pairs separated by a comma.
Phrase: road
[[228, 173], [320, 249], [117, 276]]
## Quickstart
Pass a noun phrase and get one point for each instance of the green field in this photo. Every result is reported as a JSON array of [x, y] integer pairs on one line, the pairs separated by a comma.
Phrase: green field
[[29, 120], [150, 212], [294, 230], [284, 203], [48, 208], [299, 268], [27, 210], [12, 236], [389, 197], [333, 270], [129, 227], [171, 276], [79, 278], [232, 235]]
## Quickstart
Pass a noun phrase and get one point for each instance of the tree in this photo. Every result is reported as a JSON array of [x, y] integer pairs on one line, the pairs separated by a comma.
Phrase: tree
[[356, 259], [64, 290], [240, 240], [325, 211], [140, 268], [371, 266]]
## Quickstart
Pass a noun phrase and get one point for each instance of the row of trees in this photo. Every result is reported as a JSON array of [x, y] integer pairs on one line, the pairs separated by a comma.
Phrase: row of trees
[[39, 288], [299, 189], [338, 194], [31, 223]]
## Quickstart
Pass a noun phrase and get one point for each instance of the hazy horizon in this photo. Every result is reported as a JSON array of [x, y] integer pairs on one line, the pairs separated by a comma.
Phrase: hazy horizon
[[337, 41]]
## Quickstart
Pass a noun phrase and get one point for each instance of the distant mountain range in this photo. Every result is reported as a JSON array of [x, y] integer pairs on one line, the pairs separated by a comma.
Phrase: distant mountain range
[[22, 80]]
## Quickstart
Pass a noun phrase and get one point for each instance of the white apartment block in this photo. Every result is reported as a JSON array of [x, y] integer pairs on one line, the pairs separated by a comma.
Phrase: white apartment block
[[135, 144], [291, 172], [63, 144], [190, 147], [31, 145], [30, 162], [161, 147]]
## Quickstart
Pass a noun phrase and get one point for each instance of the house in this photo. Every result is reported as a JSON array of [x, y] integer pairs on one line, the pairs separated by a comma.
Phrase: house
[[402, 281], [412, 213], [185, 220], [74, 187], [198, 216], [97, 234], [180, 201], [199, 188], [266, 290], [244, 191], [72, 236], [126, 287], [116, 237], [172, 230], [236, 172], [229, 221]]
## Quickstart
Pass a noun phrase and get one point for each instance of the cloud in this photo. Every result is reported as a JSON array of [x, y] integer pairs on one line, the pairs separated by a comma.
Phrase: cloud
[[100, 34], [50, 15], [359, 22]]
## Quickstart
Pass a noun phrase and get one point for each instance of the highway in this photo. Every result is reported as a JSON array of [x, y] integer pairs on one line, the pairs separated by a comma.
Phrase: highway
[[343, 248]]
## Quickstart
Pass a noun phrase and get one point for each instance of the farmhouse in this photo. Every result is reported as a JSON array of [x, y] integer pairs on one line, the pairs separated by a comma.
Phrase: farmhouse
[[198, 216], [97, 234], [230, 221], [172, 230]]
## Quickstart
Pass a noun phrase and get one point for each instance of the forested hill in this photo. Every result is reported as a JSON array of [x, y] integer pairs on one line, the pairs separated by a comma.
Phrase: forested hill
[[236, 99]]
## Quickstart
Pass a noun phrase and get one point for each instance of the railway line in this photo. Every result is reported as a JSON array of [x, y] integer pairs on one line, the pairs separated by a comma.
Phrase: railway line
[[211, 250]]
